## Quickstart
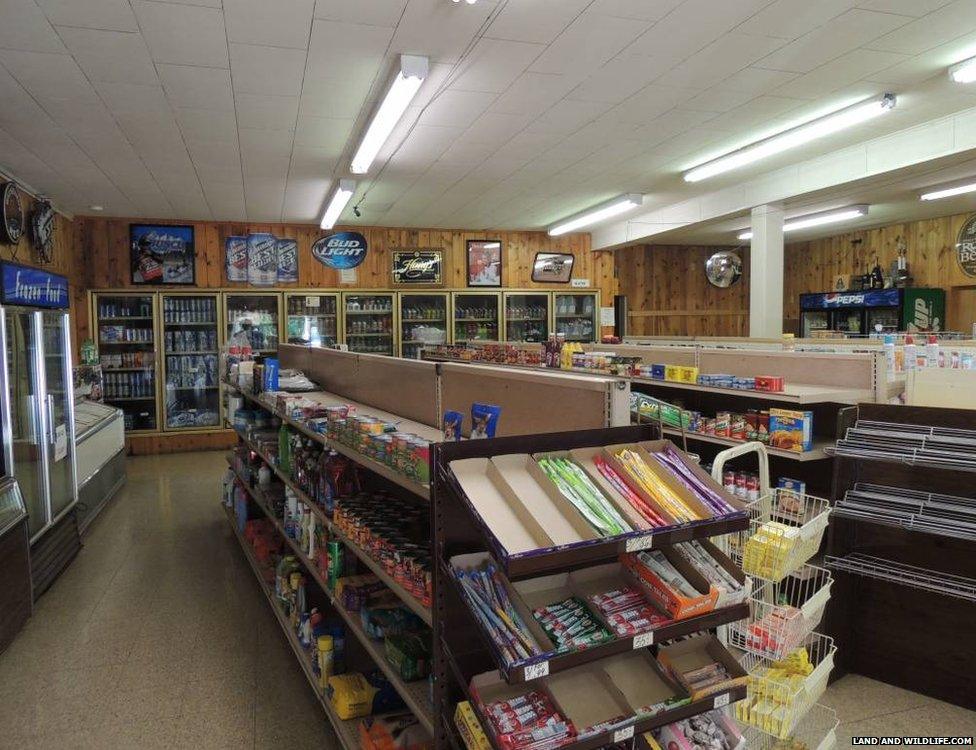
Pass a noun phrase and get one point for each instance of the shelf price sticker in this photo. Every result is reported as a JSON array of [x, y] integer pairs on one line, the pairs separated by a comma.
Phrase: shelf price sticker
[[535, 671], [626, 733], [643, 640], [637, 543], [721, 700]]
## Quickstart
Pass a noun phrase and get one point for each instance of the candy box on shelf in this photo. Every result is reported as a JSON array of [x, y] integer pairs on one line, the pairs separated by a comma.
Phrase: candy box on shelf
[[791, 430], [672, 373], [351, 695], [688, 374], [667, 598], [709, 730], [771, 383], [470, 728], [658, 372], [686, 661]]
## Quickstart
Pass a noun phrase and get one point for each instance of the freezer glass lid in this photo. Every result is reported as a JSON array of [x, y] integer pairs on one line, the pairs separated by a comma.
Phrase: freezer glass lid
[[11, 503]]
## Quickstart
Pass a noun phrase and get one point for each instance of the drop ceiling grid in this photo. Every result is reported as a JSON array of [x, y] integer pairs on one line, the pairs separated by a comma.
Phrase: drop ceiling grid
[[246, 109]]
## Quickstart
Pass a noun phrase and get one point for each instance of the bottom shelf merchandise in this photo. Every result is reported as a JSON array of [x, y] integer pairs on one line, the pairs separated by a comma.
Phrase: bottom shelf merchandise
[[710, 731]]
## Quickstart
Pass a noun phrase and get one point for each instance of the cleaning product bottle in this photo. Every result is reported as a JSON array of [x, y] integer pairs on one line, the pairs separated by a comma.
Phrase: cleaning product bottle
[[889, 352], [284, 450], [932, 351], [325, 658], [911, 356]]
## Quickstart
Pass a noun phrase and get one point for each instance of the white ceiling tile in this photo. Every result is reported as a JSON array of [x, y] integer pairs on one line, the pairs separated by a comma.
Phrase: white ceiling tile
[[153, 137], [111, 15], [132, 98], [620, 78], [333, 99], [304, 199], [205, 88], [423, 146], [111, 56], [327, 134], [757, 80], [267, 70], [207, 124], [538, 21], [567, 116], [198, 3], [48, 76], [644, 10], [374, 12], [457, 108], [839, 72], [723, 57], [282, 23], [652, 101], [347, 52], [270, 112], [25, 27], [439, 29], [183, 34], [692, 26], [790, 19], [311, 163], [839, 35], [588, 43], [940, 26], [494, 64], [493, 128], [533, 93], [718, 99], [903, 7], [277, 143]]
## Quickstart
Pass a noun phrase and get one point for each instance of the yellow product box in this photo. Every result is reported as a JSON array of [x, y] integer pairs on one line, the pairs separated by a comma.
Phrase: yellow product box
[[470, 728], [672, 372], [791, 430], [351, 695], [688, 374]]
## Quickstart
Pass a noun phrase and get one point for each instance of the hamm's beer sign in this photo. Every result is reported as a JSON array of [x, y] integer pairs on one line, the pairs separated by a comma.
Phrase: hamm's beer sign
[[341, 250], [421, 266], [966, 247]]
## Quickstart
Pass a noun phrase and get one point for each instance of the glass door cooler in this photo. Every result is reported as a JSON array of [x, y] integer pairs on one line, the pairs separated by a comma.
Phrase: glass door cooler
[[477, 316], [253, 318], [312, 319], [423, 320], [575, 314], [526, 316], [127, 346], [190, 361], [370, 326]]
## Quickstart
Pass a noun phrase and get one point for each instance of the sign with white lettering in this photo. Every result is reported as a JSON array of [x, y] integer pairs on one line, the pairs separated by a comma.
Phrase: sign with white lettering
[[420, 266], [32, 287], [342, 250], [966, 247]]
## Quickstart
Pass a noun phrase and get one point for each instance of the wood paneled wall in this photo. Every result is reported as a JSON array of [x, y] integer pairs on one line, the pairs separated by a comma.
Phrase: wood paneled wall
[[63, 259], [669, 295], [105, 244]]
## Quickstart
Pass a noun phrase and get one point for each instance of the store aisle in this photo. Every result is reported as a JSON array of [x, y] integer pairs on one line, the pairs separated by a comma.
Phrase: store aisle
[[158, 637]]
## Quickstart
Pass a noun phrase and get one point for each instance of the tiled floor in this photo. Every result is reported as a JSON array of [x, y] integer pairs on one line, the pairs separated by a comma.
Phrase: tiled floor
[[157, 636]]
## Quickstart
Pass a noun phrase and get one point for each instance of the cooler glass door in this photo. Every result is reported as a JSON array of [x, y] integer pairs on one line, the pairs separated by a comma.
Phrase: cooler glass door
[[815, 320], [23, 426], [59, 402]]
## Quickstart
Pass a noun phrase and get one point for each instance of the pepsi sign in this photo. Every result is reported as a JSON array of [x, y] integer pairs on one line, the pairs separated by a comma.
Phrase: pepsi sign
[[340, 250]]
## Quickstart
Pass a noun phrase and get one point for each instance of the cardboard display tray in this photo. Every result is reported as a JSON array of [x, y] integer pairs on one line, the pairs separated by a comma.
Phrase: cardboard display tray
[[531, 529], [529, 594]]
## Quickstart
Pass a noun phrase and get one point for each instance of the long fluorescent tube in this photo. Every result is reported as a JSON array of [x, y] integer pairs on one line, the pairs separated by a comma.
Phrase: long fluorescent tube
[[948, 192], [333, 211], [413, 71], [613, 207], [964, 72], [816, 220], [810, 131]]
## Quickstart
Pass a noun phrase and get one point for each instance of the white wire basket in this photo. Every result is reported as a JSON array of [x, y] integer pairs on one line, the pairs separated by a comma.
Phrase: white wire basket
[[786, 530], [815, 731], [781, 692], [783, 614]]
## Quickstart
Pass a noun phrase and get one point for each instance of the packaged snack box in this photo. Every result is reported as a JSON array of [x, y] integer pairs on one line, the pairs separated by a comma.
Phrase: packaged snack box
[[791, 430]]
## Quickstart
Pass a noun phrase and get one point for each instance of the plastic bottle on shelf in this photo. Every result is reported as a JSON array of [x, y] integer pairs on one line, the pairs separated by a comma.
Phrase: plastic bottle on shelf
[[911, 356], [889, 352], [325, 658], [284, 449], [932, 351]]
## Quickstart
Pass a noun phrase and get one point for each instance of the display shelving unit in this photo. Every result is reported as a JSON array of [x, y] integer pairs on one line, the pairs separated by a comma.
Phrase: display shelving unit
[[458, 530], [902, 548]]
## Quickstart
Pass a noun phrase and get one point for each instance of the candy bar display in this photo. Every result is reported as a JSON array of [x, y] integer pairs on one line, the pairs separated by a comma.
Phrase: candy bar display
[[710, 731], [701, 665], [586, 497], [570, 625], [528, 722], [627, 612], [777, 546]]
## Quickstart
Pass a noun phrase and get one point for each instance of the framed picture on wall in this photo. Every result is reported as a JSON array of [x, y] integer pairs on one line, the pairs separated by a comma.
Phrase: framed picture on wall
[[484, 263], [553, 268], [162, 254]]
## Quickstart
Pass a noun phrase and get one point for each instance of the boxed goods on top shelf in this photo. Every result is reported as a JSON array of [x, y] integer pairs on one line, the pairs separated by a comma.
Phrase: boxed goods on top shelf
[[633, 495]]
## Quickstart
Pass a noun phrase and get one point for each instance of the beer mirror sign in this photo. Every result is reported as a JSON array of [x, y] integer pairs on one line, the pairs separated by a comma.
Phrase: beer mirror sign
[[966, 247], [418, 266]]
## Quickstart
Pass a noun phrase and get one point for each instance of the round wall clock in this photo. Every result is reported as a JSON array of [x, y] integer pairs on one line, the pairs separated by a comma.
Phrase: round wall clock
[[42, 230], [12, 226]]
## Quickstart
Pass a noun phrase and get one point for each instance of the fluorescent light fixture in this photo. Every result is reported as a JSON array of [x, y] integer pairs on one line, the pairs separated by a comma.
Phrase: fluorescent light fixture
[[816, 220], [406, 83], [469, 2], [339, 200], [964, 72], [801, 134], [618, 205], [948, 192]]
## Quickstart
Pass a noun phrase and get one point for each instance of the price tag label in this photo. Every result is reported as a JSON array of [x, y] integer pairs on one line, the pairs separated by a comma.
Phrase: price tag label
[[311, 302], [643, 640], [638, 543], [623, 734], [721, 700], [579, 283], [535, 671]]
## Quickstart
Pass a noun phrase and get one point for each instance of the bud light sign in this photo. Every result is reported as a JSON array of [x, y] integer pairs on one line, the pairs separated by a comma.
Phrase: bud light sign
[[340, 250]]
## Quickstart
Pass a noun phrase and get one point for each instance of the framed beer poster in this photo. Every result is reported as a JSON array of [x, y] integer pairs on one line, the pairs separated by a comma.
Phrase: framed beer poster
[[418, 266], [162, 254]]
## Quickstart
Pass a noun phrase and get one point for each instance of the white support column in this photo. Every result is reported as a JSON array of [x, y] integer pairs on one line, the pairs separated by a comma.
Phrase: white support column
[[766, 273]]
